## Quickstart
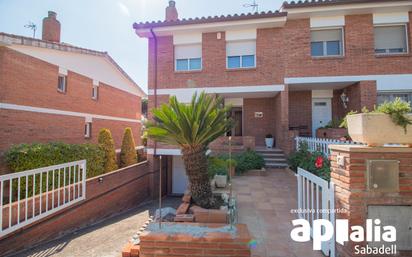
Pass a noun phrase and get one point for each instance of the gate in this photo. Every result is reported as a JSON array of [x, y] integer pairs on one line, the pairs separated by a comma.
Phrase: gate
[[316, 200]]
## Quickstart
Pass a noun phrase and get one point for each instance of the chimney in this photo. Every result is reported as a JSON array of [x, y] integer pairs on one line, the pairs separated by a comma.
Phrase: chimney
[[171, 12], [51, 28]]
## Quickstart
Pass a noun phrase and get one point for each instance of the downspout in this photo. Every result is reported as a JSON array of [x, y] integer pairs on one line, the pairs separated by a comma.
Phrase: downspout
[[155, 79]]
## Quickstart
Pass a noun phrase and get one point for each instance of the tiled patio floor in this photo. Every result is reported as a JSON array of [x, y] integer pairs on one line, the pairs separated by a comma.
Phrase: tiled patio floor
[[264, 204]]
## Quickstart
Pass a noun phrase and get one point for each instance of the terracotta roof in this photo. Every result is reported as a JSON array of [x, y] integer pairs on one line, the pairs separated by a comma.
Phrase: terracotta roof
[[209, 19], [314, 3], [28, 41]]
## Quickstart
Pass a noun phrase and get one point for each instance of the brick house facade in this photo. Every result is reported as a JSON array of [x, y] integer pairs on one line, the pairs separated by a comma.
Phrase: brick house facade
[[33, 108], [289, 71]]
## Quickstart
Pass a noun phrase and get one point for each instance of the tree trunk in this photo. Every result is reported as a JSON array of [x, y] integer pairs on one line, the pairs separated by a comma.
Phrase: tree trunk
[[196, 169]]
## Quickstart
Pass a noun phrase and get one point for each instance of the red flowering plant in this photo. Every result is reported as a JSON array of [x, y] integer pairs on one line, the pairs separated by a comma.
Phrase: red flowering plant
[[315, 162]]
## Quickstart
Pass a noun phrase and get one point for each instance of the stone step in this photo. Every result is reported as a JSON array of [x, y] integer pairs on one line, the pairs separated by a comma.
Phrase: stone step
[[275, 159], [268, 150], [276, 165], [272, 155]]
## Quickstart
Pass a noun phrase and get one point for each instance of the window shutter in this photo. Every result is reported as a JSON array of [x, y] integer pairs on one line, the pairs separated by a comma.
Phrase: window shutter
[[390, 37], [241, 48], [326, 35], [188, 51]]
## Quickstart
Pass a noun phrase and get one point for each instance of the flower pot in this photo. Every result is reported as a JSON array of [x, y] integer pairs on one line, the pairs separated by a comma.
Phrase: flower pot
[[269, 142], [377, 129], [221, 181]]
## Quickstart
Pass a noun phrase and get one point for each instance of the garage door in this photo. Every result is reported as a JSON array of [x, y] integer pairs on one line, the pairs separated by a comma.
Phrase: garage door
[[179, 178]]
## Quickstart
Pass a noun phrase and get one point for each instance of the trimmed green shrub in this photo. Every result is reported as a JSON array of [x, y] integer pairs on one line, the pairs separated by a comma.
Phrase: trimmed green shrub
[[32, 156], [128, 155], [248, 160], [314, 162], [106, 143]]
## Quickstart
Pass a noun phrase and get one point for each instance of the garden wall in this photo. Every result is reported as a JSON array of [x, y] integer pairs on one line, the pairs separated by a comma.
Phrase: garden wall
[[106, 195]]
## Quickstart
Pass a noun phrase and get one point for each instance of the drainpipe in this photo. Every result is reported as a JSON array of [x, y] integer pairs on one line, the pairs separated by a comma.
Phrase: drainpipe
[[155, 78]]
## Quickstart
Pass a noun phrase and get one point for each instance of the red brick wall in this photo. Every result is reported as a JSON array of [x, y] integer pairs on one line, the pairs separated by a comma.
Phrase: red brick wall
[[117, 192], [259, 127], [350, 184], [362, 94], [300, 109], [26, 80], [212, 244], [359, 56], [30, 81]]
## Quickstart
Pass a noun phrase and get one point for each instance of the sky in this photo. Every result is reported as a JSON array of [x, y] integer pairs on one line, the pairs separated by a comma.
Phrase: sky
[[106, 25]]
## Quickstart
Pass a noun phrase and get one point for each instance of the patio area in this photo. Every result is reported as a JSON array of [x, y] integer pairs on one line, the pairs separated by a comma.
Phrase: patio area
[[264, 204]]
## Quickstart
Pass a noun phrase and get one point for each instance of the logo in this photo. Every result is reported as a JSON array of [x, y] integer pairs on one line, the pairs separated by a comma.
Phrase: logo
[[323, 231]]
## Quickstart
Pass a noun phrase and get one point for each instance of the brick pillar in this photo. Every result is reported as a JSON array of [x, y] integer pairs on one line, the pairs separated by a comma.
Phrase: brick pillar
[[362, 94], [352, 195], [284, 136]]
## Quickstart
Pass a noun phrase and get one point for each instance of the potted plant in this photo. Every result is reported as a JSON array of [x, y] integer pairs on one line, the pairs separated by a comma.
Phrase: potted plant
[[221, 179], [388, 123], [269, 141]]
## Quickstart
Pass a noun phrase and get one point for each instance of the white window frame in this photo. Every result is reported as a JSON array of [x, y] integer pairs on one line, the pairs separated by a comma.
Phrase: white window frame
[[88, 130], [64, 90], [241, 62], [324, 42], [188, 64], [392, 25], [95, 92]]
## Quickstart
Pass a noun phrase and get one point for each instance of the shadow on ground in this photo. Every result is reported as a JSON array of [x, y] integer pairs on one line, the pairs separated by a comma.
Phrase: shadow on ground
[[103, 239]]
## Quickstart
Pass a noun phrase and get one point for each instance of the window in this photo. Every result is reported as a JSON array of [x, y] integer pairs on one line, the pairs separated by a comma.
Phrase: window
[[95, 92], [188, 57], [241, 54], [327, 42], [391, 39], [390, 96], [88, 130], [62, 83]]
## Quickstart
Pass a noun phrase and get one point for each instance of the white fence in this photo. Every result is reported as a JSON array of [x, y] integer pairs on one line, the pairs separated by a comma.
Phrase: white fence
[[320, 144], [28, 196], [316, 200]]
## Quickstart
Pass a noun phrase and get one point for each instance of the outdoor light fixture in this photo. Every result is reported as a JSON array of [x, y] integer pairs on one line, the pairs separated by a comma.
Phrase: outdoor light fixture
[[345, 100]]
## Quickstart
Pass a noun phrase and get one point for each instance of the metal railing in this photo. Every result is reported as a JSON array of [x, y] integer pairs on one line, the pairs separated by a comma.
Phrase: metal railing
[[321, 144], [28, 196]]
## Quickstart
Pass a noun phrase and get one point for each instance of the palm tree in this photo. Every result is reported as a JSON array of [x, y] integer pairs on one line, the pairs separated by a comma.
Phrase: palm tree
[[192, 127]]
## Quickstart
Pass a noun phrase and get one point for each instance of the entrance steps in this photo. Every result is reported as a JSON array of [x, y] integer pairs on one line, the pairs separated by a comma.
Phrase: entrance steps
[[274, 157]]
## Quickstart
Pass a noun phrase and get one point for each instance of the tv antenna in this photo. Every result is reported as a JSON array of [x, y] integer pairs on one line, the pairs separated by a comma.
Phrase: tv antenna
[[31, 26], [254, 6]]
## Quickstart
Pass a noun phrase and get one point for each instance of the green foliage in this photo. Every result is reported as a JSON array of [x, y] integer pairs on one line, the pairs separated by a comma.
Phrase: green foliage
[[32, 156], [306, 160], [248, 160], [397, 110], [128, 154], [334, 123], [191, 125], [344, 123], [106, 143], [216, 166], [144, 138]]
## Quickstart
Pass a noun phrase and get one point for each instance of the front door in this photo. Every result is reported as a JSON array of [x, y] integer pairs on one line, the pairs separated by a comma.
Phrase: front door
[[321, 113]]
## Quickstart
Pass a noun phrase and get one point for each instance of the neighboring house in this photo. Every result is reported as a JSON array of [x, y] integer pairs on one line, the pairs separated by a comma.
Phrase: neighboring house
[[53, 91], [285, 72]]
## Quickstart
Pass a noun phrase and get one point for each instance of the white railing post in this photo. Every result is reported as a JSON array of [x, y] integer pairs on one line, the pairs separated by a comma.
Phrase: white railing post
[[320, 144]]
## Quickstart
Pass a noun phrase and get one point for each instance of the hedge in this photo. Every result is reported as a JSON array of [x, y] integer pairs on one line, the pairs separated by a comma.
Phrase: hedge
[[32, 156]]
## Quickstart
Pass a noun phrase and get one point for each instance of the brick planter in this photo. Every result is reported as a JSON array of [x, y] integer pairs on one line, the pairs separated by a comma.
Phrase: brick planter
[[211, 244], [332, 133]]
